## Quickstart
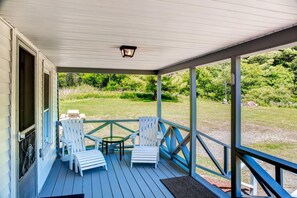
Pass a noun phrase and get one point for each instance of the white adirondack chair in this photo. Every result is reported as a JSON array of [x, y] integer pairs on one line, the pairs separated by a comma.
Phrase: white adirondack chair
[[73, 138], [148, 149]]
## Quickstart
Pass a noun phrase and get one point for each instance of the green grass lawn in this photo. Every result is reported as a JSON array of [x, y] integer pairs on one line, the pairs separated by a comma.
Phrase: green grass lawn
[[114, 108]]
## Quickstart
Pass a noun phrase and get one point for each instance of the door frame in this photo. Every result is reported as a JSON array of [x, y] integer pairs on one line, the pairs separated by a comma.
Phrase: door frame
[[19, 42]]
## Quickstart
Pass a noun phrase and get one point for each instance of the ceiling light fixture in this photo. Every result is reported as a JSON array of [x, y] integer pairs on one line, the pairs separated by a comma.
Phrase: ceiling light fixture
[[127, 51]]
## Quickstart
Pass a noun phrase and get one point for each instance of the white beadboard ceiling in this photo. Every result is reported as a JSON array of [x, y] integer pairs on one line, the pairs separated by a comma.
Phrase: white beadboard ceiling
[[76, 33]]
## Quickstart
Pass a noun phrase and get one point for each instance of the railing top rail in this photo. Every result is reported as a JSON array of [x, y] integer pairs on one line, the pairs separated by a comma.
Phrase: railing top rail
[[187, 129], [175, 125], [117, 120], [213, 139], [184, 128], [284, 164]]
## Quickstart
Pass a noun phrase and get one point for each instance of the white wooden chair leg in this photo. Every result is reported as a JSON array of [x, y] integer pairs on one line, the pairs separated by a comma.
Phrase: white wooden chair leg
[[63, 150], [71, 163], [81, 172], [70, 153]]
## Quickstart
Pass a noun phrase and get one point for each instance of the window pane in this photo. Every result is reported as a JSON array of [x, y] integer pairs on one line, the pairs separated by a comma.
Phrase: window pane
[[26, 90], [46, 91]]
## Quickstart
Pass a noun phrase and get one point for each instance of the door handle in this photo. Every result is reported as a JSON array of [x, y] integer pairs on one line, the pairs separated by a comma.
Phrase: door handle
[[21, 136]]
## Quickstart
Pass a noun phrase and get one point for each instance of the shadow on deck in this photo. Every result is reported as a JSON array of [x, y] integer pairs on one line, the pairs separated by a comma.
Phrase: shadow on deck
[[143, 180]]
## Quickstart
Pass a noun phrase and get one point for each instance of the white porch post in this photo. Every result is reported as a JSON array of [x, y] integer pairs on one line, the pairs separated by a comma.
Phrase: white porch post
[[235, 125], [192, 121], [159, 96]]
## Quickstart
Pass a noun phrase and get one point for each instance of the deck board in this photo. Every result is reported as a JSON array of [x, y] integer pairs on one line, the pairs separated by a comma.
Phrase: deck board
[[77, 185], [113, 178], [51, 179], [87, 183], [121, 178], [140, 181], [143, 180], [129, 177], [96, 183], [105, 184], [165, 171], [58, 189], [68, 185], [159, 173], [157, 181], [154, 188], [177, 171]]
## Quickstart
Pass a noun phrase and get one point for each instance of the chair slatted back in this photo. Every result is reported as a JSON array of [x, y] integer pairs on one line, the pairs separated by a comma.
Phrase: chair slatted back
[[148, 131], [73, 130]]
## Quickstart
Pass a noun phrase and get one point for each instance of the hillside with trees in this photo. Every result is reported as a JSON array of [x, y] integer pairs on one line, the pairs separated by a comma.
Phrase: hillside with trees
[[268, 79]]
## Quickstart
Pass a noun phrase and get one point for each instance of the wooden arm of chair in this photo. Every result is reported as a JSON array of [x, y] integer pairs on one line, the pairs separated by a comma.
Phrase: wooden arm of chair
[[133, 137], [97, 140], [160, 136], [65, 141]]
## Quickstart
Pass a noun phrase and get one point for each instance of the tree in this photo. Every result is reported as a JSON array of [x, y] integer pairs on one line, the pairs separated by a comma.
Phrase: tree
[[62, 80], [151, 85]]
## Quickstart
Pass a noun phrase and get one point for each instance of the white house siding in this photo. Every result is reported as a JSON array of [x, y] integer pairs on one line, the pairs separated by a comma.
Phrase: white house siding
[[5, 82]]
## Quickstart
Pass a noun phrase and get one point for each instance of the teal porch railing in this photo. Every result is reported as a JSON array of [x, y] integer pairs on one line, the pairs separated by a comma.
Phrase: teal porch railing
[[172, 143], [111, 123]]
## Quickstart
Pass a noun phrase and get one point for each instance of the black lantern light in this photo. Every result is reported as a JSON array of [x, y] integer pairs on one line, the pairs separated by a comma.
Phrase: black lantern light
[[127, 51]]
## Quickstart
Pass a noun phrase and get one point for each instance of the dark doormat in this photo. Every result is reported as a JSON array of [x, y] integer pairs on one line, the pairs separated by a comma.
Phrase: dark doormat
[[186, 186], [68, 196]]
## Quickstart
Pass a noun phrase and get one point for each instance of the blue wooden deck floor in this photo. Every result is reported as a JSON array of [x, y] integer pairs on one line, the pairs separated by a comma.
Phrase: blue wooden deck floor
[[143, 180]]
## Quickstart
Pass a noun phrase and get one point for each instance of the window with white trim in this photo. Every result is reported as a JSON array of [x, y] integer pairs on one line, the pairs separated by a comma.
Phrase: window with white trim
[[46, 108]]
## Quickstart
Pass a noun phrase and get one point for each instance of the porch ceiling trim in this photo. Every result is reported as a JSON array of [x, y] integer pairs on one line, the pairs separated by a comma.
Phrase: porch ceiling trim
[[106, 71], [276, 39]]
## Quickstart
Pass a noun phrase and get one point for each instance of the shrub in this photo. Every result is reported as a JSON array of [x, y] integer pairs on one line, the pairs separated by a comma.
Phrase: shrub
[[87, 91], [137, 95], [269, 96]]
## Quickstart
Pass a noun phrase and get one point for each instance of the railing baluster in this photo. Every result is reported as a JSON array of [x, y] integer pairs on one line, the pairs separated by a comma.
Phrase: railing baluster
[[279, 175], [209, 153], [226, 160], [184, 148], [111, 132], [172, 142]]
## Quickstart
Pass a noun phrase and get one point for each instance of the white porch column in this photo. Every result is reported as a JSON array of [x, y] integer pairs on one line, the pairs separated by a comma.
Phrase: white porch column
[[235, 125], [192, 121], [159, 96]]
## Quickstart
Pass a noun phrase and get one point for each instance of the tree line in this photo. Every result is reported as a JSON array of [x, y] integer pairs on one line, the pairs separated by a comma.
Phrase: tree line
[[268, 79]]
